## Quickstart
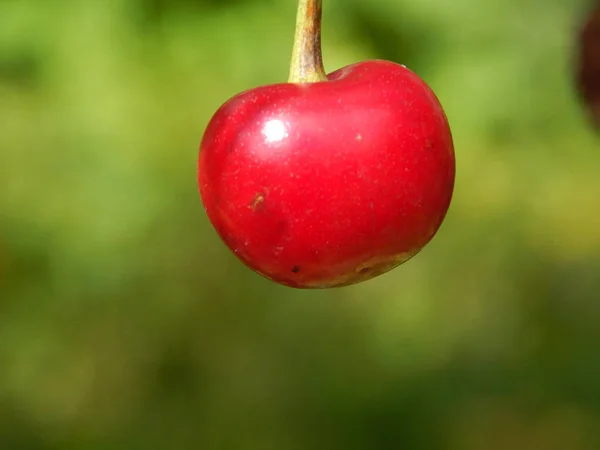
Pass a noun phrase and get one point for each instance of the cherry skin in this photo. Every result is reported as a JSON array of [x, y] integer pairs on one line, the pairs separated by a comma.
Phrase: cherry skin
[[329, 183]]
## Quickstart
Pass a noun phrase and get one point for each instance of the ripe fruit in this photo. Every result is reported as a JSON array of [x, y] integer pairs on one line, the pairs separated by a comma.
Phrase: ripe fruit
[[328, 181], [588, 63]]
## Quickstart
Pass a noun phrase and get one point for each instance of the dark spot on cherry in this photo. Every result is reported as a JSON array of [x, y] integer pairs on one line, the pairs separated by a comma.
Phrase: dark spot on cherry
[[296, 269], [282, 226]]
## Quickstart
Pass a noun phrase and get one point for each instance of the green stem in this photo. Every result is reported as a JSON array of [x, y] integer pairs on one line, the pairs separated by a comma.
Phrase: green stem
[[307, 60]]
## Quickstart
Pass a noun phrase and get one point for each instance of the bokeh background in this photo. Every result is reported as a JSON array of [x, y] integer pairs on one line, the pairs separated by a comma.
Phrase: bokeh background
[[126, 324]]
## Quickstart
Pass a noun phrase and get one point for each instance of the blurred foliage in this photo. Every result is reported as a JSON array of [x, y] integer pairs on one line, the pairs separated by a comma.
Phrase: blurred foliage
[[126, 324]]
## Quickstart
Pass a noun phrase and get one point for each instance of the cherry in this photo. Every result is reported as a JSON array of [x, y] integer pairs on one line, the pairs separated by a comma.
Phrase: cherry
[[588, 63], [328, 180]]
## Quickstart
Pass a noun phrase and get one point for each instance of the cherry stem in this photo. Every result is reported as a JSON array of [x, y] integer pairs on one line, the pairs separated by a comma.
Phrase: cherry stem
[[307, 59]]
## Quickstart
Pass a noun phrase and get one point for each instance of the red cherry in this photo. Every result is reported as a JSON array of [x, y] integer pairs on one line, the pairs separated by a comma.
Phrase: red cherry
[[588, 63], [329, 183]]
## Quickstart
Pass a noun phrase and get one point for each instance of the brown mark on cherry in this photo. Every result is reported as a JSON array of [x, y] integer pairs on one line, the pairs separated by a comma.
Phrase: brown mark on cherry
[[258, 202]]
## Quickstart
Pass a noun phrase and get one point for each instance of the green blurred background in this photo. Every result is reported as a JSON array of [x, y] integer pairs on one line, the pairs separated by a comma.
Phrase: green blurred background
[[126, 324]]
